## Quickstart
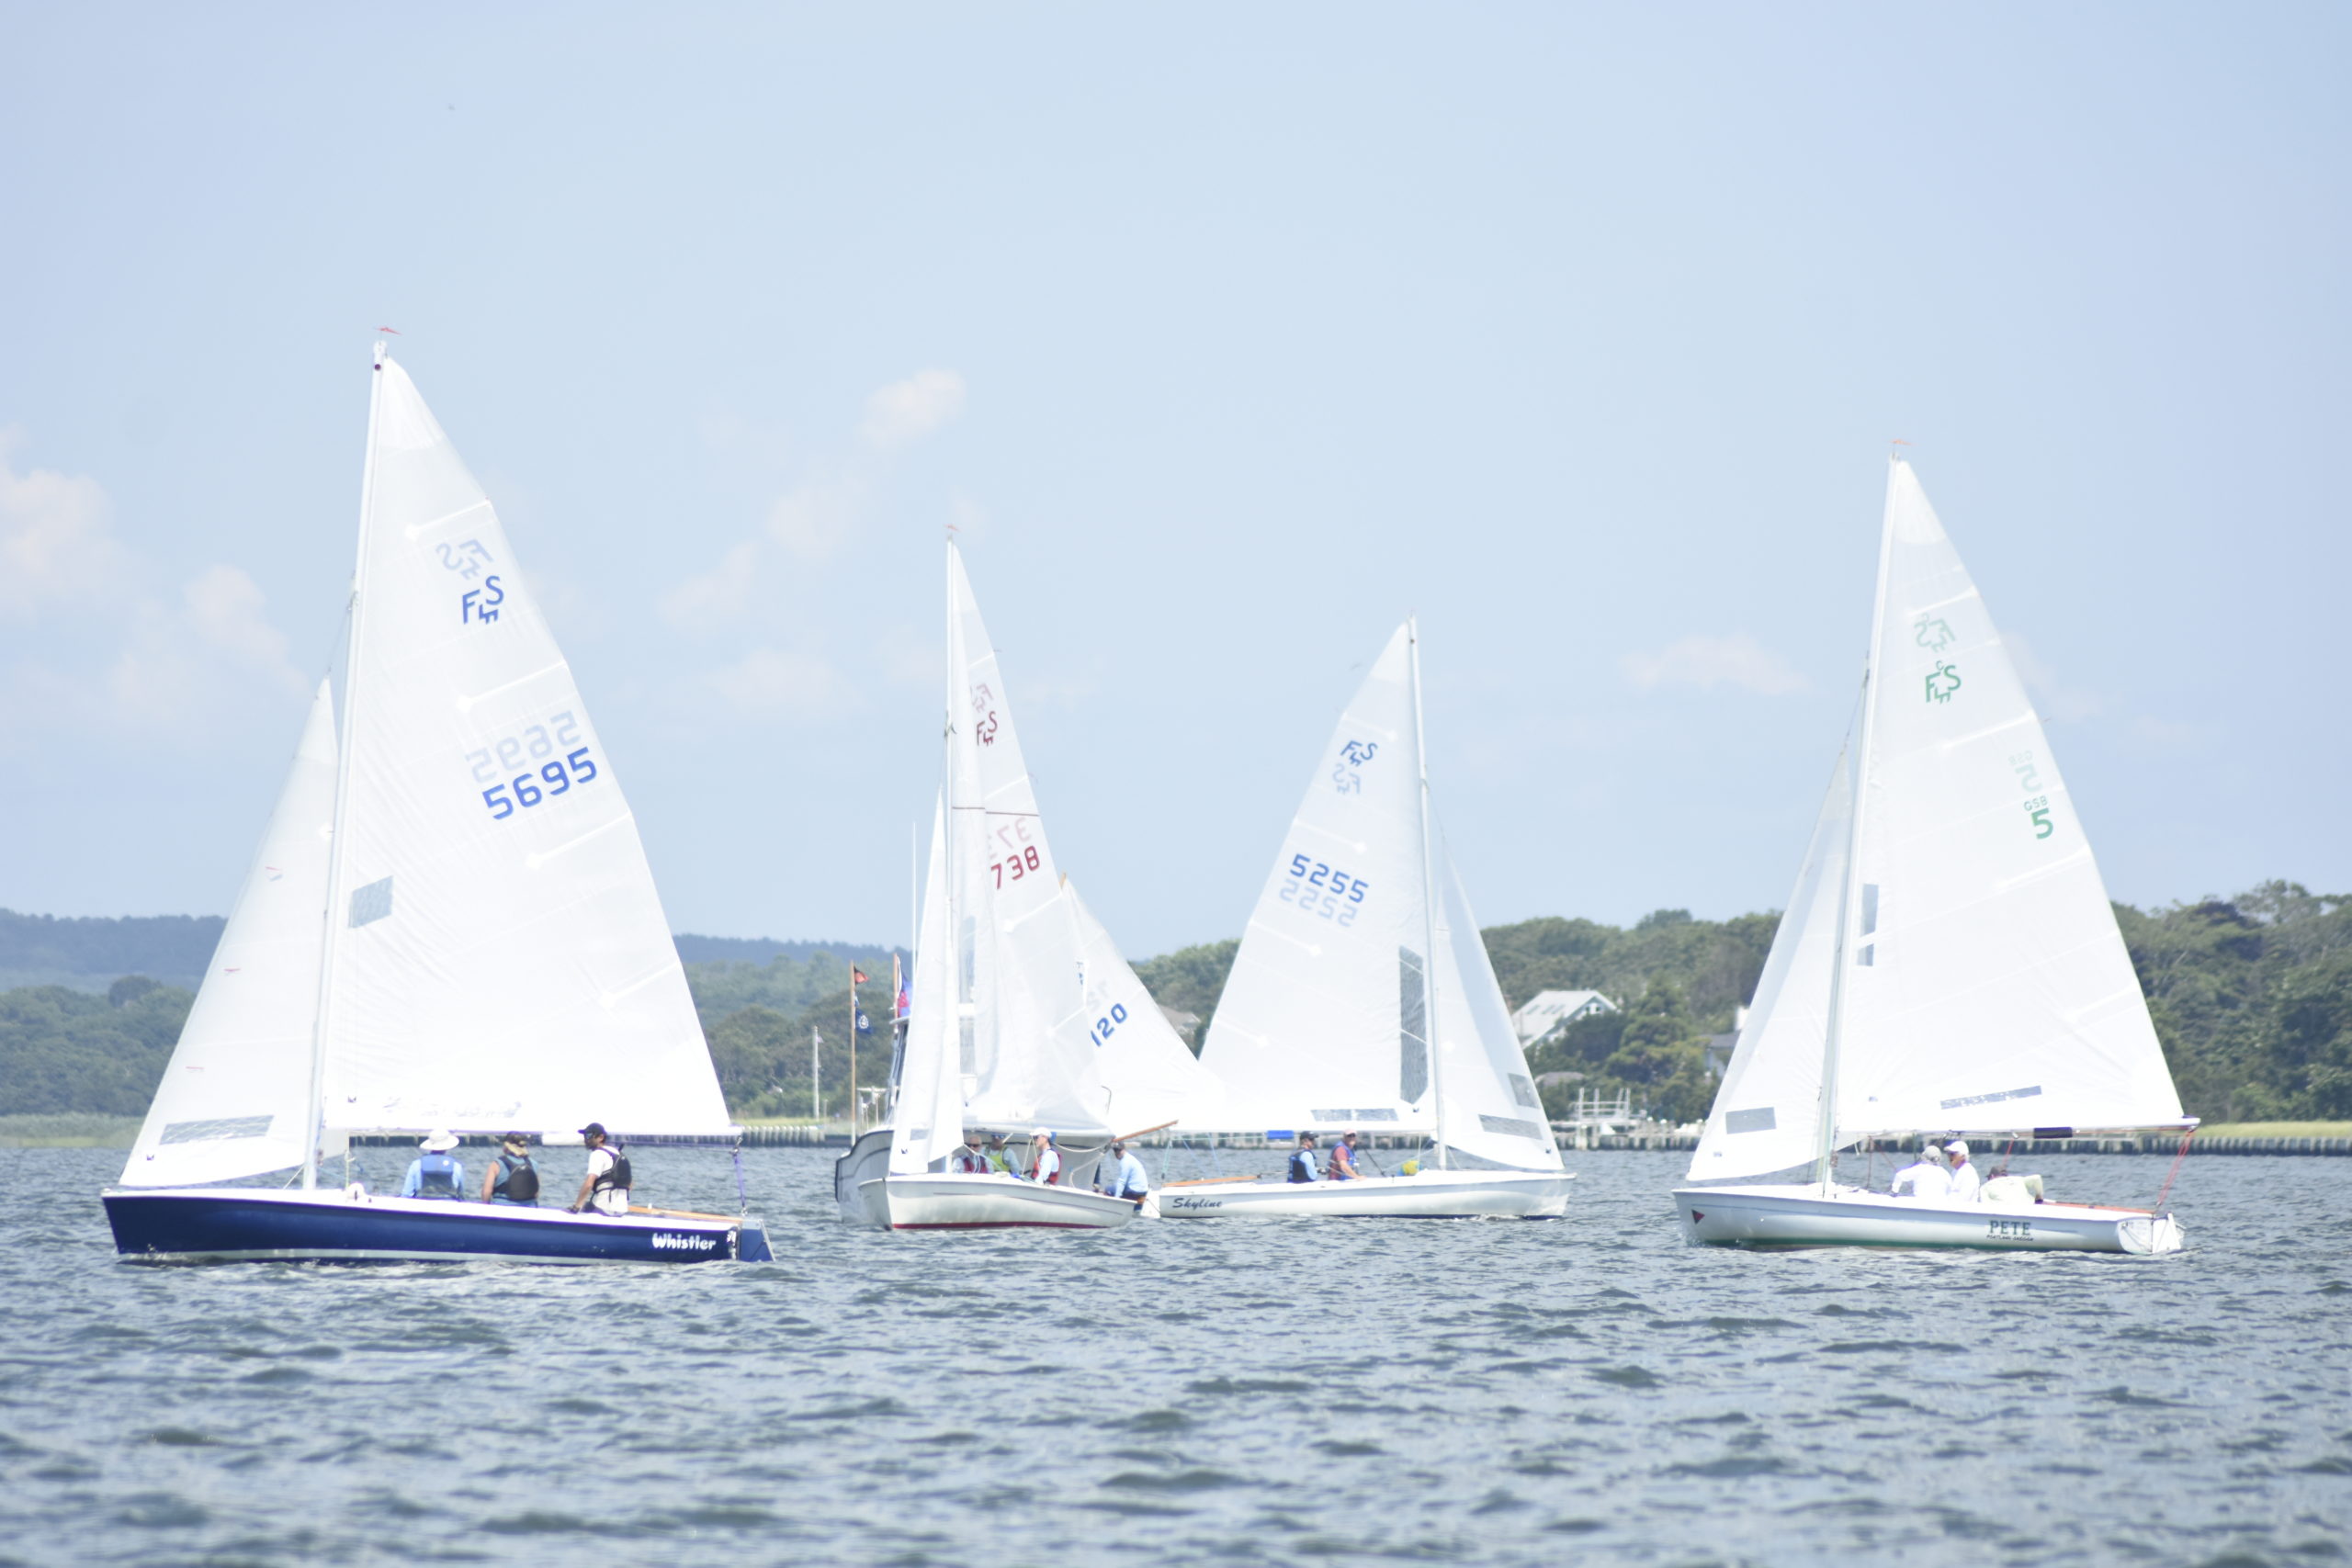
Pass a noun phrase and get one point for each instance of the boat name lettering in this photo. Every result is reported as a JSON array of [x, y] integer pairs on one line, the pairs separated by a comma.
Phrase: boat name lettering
[[1193, 1202], [2008, 1230], [1320, 890], [482, 604], [664, 1242], [1942, 681], [1990, 1098], [530, 757], [464, 557], [1108, 1024]]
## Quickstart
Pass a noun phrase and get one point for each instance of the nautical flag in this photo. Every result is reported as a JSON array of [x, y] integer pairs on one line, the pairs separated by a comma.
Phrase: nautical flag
[[857, 976], [863, 1026], [898, 989]]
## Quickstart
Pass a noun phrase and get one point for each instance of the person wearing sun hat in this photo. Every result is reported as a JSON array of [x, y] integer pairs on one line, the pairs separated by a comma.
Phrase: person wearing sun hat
[[1965, 1178], [436, 1172]]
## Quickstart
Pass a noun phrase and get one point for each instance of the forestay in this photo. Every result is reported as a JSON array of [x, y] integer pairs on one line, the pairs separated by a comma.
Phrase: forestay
[[233, 1101], [1989, 985], [1020, 970], [1322, 1021], [500, 957], [1766, 1114]]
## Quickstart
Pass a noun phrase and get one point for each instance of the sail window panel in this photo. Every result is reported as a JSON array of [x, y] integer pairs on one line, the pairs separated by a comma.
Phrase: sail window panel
[[371, 903], [1512, 1126], [1758, 1119], [1412, 1026], [217, 1127], [1522, 1090]]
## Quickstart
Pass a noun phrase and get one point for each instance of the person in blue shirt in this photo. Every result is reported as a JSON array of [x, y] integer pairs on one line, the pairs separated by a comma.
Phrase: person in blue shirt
[[1342, 1165], [1301, 1159], [1122, 1176], [436, 1172]]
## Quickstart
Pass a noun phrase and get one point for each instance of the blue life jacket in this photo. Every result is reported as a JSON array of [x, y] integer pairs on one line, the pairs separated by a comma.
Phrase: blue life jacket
[[436, 1176], [1301, 1165]]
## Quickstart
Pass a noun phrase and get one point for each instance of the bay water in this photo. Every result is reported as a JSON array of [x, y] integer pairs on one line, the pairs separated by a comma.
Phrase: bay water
[[1477, 1392]]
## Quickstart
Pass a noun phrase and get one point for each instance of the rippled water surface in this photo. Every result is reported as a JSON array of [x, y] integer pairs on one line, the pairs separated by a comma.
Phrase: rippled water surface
[[1471, 1392]]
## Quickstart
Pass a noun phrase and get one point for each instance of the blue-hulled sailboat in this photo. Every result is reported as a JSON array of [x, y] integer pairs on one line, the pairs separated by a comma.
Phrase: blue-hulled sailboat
[[449, 924]]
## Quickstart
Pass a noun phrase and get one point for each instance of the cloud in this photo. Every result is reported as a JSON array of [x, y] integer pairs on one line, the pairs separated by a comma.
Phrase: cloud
[[814, 521], [717, 596], [771, 684], [1710, 661], [54, 544], [113, 647], [907, 410]]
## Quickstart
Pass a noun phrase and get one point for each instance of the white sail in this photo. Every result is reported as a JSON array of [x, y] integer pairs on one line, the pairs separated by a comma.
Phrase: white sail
[[233, 1101], [1766, 1114], [1022, 958], [499, 956], [1493, 1114], [1321, 1023], [927, 1120], [1989, 986], [1149, 1078]]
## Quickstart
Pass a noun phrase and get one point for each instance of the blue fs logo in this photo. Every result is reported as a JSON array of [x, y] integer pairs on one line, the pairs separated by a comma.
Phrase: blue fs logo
[[1353, 755]]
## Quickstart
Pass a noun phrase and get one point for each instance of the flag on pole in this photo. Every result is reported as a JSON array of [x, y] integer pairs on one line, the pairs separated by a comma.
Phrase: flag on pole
[[857, 977], [898, 989]]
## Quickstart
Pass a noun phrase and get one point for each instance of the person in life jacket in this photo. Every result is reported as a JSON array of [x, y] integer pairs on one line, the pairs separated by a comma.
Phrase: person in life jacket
[[1044, 1161], [512, 1177], [1301, 1159], [436, 1172], [970, 1160], [1000, 1157], [1343, 1167], [605, 1187]]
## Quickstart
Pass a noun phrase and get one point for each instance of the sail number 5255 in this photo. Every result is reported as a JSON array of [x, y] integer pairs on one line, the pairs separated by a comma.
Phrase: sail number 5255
[[1320, 890]]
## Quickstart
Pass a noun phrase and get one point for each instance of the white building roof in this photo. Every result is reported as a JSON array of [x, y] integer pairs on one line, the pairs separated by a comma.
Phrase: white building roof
[[1547, 1010]]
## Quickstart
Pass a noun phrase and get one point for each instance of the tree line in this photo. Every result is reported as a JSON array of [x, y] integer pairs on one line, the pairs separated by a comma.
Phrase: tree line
[[2251, 997]]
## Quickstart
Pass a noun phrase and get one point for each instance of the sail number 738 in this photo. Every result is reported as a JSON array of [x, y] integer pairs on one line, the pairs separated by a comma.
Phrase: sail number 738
[[1319, 890]]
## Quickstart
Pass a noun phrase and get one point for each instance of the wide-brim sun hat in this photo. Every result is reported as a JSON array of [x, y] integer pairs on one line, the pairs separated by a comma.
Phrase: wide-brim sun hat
[[440, 1141]]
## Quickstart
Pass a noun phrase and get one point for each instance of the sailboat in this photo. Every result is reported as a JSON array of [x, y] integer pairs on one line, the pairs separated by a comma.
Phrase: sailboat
[[1362, 936], [1023, 1015], [449, 924], [1949, 963]]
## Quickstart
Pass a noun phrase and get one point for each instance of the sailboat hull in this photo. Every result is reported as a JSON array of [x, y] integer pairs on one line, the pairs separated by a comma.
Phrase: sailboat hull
[[1786, 1216], [939, 1200], [253, 1224], [1432, 1195]]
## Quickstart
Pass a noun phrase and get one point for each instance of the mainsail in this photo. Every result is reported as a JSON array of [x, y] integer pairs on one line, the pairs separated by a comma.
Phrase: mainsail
[[497, 953], [1324, 1021], [233, 1101], [1019, 974], [1987, 987]]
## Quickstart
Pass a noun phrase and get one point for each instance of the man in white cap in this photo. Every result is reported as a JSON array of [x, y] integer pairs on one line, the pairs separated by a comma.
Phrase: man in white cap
[[436, 1172], [1923, 1178], [1964, 1178], [1044, 1161]]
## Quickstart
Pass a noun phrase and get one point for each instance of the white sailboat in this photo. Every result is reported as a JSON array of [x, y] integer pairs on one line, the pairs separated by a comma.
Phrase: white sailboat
[[1362, 935], [1023, 1014], [1949, 963], [450, 924]]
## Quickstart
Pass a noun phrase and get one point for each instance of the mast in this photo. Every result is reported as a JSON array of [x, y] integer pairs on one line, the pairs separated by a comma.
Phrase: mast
[[1429, 898], [959, 1004], [1833, 1041], [316, 1113]]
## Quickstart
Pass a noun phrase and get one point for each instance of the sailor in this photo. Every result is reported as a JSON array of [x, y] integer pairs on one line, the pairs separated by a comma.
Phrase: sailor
[[1342, 1165], [1044, 1161], [970, 1160], [605, 1187], [1122, 1176], [512, 1177], [1000, 1157], [1965, 1178], [1923, 1178], [436, 1172], [1301, 1159]]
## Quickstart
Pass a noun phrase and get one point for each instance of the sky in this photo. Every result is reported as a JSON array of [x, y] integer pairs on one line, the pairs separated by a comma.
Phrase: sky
[[1226, 338]]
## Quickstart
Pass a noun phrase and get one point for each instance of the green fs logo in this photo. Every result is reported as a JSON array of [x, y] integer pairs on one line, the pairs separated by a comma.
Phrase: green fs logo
[[1933, 633], [1942, 681]]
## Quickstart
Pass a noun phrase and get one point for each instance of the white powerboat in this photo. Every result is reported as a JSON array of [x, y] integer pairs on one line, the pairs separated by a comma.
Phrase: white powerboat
[[1949, 965]]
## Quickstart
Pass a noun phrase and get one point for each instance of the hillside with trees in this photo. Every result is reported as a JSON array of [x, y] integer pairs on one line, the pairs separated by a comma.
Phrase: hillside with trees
[[2252, 996]]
